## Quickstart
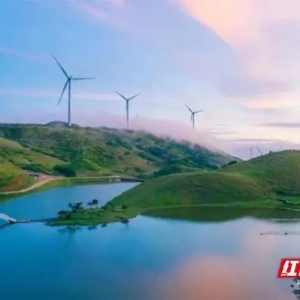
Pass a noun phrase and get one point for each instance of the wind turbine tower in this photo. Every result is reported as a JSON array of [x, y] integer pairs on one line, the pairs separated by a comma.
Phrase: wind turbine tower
[[127, 106], [68, 85], [193, 113]]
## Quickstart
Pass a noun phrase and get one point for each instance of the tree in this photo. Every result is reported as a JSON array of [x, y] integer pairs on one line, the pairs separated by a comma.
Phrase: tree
[[71, 205], [78, 206], [75, 206], [64, 170], [62, 213], [95, 202], [90, 204]]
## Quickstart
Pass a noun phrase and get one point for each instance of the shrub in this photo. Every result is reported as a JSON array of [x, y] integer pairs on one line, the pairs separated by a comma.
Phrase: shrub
[[64, 170]]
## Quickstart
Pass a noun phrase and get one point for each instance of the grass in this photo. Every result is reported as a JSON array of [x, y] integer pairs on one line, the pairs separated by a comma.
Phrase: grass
[[95, 151], [279, 171], [12, 177], [194, 189]]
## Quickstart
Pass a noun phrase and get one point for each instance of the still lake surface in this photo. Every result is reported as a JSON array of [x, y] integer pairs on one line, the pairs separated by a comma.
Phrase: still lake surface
[[217, 254]]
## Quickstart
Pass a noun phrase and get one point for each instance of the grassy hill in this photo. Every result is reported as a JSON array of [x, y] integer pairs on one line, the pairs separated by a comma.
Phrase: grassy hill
[[193, 189], [280, 171], [262, 179], [95, 151]]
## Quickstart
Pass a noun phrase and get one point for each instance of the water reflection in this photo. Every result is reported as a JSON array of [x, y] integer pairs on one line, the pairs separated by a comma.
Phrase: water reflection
[[224, 214], [69, 229], [249, 274], [92, 227]]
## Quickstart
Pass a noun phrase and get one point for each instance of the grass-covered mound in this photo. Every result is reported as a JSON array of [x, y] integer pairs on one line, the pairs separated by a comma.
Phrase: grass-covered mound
[[194, 189], [280, 171]]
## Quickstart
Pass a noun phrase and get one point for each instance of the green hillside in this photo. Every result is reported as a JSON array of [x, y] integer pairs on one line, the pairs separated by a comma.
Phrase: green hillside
[[12, 177], [280, 171], [193, 189], [263, 178], [97, 151], [14, 159]]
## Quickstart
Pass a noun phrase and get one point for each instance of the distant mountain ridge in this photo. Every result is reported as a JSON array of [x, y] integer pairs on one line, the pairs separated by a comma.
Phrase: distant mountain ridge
[[52, 148]]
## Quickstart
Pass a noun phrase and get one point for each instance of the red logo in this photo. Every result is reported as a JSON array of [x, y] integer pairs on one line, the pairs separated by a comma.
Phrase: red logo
[[289, 268]]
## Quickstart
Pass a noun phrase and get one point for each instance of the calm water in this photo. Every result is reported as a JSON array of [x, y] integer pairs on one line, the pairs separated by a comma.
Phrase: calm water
[[209, 258]]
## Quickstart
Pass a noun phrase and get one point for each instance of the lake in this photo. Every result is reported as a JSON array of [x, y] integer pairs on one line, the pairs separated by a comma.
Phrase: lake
[[218, 254]]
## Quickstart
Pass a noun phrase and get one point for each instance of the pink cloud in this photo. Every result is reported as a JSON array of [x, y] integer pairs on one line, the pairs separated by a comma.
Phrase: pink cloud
[[228, 19], [244, 24], [107, 11], [267, 103]]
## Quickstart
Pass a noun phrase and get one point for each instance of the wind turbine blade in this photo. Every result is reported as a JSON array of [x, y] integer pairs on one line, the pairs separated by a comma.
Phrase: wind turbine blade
[[259, 150], [134, 96], [188, 108], [62, 93], [83, 78], [63, 70], [191, 118], [121, 96], [195, 112]]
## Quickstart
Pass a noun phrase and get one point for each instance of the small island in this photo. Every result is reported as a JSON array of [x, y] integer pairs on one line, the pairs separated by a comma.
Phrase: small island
[[93, 214]]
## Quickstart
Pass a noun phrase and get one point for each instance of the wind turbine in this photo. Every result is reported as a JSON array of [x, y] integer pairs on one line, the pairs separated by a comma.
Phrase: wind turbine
[[127, 105], [68, 84], [193, 113]]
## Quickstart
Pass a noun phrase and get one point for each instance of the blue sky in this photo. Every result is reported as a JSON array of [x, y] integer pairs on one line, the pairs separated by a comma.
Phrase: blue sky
[[237, 59]]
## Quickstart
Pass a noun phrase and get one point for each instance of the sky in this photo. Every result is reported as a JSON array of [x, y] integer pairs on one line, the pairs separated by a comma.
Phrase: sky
[[237, 60]]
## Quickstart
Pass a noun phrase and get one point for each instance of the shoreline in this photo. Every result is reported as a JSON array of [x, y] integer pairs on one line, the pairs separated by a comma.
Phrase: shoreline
[[52, 182]]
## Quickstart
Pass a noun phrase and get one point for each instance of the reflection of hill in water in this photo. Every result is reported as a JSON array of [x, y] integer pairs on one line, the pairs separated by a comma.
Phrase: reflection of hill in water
[[224, 214]]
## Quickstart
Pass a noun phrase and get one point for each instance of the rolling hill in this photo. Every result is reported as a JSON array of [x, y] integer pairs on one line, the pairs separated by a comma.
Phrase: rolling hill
[[95, 151], [192, 189], [263, 179], [280, 171]]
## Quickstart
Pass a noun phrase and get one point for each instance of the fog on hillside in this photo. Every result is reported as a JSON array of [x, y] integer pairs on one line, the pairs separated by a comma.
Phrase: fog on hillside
[[179, 131]]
